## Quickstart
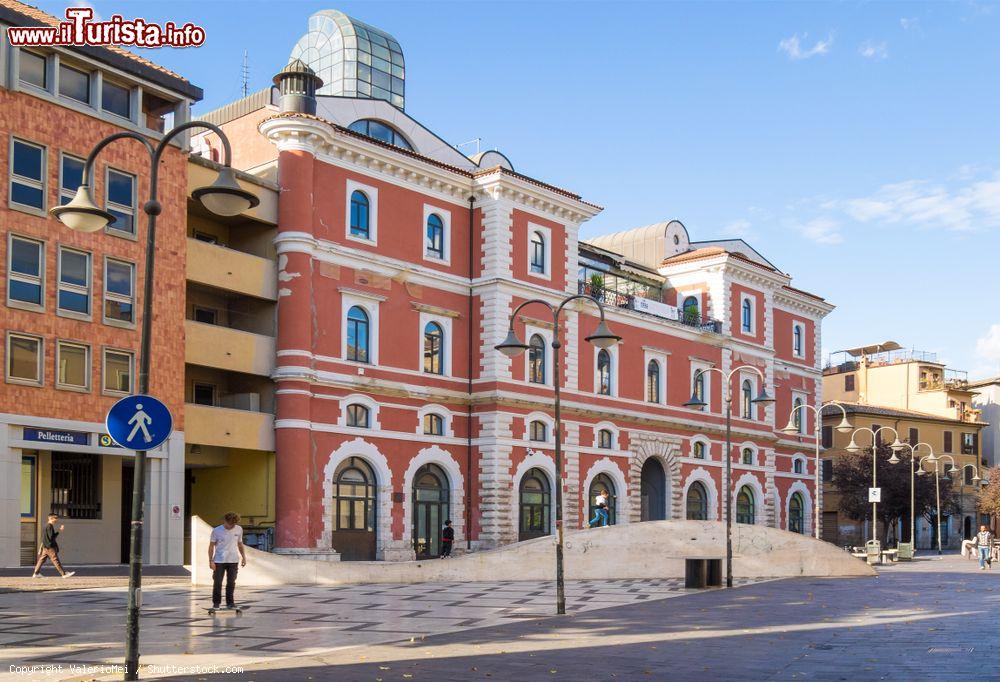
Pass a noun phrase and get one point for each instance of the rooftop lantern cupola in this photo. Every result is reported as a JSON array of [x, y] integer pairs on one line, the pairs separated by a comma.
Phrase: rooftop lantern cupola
[[297, 85]]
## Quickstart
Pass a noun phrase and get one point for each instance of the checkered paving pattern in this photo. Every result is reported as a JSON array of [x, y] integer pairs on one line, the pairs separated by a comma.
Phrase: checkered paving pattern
[[87, 626]]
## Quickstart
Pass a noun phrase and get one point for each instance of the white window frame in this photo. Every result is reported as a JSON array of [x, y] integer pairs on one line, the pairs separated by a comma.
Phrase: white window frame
[[546, 334], [613, 353], [747, 445], [31, 87], [372, 194], [662, 359], [805, 464], [753, 314], [707, 397], [370, 304], [754, 391], [550, 433], [360, 399], [111, 296], [87, 290], [30, 182], [705, 442], [445, 216], [801, 353], [39, 362], [605, 426], [63, 192], [446, 343], [104, 371], [130, 210], [27, 279], [60, 343], [804, 418], [547, 237], [441, 411]]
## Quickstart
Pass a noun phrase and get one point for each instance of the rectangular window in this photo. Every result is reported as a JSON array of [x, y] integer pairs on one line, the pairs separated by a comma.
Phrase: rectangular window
[[74, 84], [204, 394], [27, 487], [969, 443], [70, 178], [76, 485], [121, 200], [827, 470], [205, 315], [25, 272], [74, 281], [827, 436], [914, 437], [24, 359], [119, 291], [205, 237], [117, 371], [947, 441], [32, 70], [116, 99], [849, 382], [72, 366], [27, 177]]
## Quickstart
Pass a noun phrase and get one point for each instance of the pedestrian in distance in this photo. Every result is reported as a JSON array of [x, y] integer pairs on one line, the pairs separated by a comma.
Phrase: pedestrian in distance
[[601, 510], [984, 539], [50, 549], [447, 540], [225, 557]]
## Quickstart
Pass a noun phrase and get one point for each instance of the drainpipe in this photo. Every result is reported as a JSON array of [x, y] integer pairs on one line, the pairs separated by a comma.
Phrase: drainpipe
[[468, 427]]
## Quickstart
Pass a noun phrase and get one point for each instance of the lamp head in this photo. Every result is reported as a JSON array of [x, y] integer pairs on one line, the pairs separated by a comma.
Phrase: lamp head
[[790, 428], [603, 337], [844, 426], [696, 402], [762, 398], [894, 459], [82, 214], [853, 447], [897, 446], [921, 472], [225, 197], [511, 346], [932, 458]]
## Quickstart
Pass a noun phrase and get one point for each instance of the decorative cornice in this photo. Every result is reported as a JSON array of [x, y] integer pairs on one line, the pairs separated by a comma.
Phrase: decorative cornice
[[434, 310]]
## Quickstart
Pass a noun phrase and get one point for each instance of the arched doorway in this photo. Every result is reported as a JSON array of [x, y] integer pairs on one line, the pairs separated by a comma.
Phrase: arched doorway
[[796, 514], [430, 510], [652, 491], [535, 505], [602, 482], [969, 533], [697, 502], [354, 510]]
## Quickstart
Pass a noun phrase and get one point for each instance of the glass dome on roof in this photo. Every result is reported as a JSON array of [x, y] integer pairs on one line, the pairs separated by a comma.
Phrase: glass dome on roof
[[353, 58]]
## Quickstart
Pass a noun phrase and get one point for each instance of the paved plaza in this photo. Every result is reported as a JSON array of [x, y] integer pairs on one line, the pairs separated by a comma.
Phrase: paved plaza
[[935, 618]]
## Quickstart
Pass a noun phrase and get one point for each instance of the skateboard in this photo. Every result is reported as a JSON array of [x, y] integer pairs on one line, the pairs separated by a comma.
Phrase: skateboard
[[238, 609]]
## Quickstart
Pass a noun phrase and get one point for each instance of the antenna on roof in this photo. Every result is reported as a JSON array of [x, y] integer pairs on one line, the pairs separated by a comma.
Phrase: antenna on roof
[[477, 140], [245, 74]]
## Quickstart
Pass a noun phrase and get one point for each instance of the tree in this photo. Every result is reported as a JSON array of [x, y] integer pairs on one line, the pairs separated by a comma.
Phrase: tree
[[853, 477], [989, 495]]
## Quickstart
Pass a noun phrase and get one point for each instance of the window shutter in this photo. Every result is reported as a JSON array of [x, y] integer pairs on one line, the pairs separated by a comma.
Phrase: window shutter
[[827, 470], [947, 441], [827, 436], [914, 436]]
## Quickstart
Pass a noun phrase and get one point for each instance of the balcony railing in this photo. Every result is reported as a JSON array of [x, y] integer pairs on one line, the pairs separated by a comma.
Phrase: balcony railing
[[617, 299]]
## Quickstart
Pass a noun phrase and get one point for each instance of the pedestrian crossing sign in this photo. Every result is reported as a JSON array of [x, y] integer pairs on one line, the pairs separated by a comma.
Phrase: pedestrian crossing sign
[[139, 422]]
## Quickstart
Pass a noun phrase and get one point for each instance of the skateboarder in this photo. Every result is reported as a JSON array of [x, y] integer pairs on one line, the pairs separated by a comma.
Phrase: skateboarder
[[447, 539], [225, 556], [50, 549]]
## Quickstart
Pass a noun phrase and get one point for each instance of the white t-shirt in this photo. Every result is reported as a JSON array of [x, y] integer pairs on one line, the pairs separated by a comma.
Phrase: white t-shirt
[[602, 499], [227, 544]]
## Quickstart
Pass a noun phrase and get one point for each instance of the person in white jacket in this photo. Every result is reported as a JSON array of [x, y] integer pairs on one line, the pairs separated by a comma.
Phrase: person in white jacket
[[984, 540]]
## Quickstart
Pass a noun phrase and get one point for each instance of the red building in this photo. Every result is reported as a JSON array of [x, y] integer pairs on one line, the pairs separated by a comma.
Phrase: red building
[[400, 262]]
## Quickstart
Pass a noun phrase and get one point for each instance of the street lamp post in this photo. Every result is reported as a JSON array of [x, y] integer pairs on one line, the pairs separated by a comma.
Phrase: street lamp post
[[512, 346], [698, 402], [937, 487], [223, 197], [896, 446], [913, 486], [792, 429]]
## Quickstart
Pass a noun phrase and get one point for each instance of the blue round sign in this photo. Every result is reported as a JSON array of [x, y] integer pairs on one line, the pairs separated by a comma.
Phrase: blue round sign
[[139, 422]]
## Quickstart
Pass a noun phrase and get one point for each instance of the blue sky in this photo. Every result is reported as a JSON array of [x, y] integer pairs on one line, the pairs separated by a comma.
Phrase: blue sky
[[854, 144]]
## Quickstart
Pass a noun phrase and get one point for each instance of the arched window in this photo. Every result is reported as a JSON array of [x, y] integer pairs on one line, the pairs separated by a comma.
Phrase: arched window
[[360, 215], [653, 382], [602, 482], [797, 340], [698, 450], [747, 456], [538, 431], [354, 510], [604, 439], [604, 372], [745, 512], [536, 359], [690, 309], [537, 253], [433, 424], [697, 502], [747, 315], [746, 393], [798, 467], [797, 419], [358, 415], [430, 510], [535, 505], [699, 384], [433, 348], [435, 236], [357, 334], [796, 514], [380, 131]]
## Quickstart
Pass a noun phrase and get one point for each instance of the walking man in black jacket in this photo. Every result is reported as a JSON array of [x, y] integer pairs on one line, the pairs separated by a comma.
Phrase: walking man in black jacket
[[50, 549]]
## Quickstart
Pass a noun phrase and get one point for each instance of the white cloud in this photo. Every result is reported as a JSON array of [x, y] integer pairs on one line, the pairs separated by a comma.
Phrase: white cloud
[[910, 23], [794, 48], [988, 353], [873, 50], [821, 231], [738, 229], [85, 3]]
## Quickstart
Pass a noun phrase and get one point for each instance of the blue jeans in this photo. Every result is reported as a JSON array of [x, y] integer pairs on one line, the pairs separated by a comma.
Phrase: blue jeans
[[599, 514], [984, 556]]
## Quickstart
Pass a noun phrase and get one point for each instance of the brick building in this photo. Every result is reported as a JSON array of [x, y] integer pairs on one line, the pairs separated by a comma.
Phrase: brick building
[[399, 262], [71, 312]]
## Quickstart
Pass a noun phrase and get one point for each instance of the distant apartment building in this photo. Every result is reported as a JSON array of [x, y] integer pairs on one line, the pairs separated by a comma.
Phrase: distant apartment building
[[923, 401], [71, 309], [986, 400]]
